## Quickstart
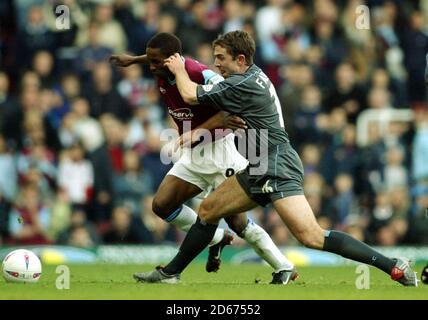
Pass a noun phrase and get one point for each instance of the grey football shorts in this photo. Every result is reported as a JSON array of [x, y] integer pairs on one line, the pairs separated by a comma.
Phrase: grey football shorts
[[283, 178]]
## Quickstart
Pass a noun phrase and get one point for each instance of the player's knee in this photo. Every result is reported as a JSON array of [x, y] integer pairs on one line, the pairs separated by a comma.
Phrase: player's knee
[[160, 207], [206, 212], [311, 240], [237, 223]]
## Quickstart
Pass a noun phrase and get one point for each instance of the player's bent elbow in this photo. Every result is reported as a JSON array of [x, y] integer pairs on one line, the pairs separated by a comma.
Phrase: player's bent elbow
[[190, 99]]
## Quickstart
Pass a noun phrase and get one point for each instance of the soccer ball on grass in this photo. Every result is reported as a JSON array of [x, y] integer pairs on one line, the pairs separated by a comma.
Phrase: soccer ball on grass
[[21, 266]]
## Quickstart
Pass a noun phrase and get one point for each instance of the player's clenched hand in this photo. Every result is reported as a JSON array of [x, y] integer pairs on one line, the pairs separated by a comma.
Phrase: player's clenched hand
[[234, 122], [121, 60], [174, 63]]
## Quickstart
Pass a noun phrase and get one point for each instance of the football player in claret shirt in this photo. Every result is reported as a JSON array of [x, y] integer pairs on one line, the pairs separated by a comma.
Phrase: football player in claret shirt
[[187, 178]]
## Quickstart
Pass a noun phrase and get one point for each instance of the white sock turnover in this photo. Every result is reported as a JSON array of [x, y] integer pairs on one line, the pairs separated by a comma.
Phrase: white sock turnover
[[184, 217], [262, 243]]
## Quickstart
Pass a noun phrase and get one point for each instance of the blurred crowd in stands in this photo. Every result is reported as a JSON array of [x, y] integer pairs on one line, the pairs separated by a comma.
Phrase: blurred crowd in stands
[[79, 138]]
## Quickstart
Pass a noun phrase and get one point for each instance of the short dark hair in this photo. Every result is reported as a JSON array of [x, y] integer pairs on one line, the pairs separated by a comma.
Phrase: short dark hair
[[166, 42], [236, 43]]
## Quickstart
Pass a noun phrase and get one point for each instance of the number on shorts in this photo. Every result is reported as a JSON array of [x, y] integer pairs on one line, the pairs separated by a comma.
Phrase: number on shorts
[[230, 172]]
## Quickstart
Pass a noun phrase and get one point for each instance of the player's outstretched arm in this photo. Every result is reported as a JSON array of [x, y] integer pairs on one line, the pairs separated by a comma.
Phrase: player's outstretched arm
[[186, 87], [125, 60]]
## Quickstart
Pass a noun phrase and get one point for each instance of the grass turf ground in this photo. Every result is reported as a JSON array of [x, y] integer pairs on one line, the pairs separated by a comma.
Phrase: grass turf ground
[[249, 281]]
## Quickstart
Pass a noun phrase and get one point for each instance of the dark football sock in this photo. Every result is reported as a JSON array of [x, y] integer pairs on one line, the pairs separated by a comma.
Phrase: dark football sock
[[348, 247], [197, 238]]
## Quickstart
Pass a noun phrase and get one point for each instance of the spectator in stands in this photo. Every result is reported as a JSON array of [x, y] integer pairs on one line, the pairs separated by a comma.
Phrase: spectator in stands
[[79, 125], [418, 226], [311, 155], [395, 174], [137, 91], [29, 220], [420, 148], [389, 221], [8, 187], [70, 86], [347, 94], [296, 78], [60, 215], [34, 36], [37, 164], [103, 97], [133, 184], [341, 155], [126, 228], [415, 47], [43, 66], [109, 32], [7, 102], [145, 26], [91, 54], [115, 135], [9, 174], [76, 176], [344, 203], [81, 232], [306, 128], [379, 99], [80, 237], [200, 26], [380, 79]]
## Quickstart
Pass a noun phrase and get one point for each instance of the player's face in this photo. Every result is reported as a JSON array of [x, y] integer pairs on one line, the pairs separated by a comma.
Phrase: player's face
[[156, 62], [224, 61]]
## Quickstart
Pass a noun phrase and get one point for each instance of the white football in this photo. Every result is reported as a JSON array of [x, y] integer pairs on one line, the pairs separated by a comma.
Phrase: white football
[[22, 266]]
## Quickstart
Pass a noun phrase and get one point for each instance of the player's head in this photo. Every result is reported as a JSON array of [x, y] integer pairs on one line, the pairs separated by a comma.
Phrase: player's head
[[233, 52], [160, 47]]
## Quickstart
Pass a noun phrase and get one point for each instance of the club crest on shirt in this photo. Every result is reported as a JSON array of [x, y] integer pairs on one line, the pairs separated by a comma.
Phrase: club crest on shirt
[[207, 87], [162, 90], [181, 113]]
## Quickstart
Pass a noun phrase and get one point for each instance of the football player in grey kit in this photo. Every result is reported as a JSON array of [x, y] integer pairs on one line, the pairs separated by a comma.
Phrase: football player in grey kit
[[247, 92], [187, 178]]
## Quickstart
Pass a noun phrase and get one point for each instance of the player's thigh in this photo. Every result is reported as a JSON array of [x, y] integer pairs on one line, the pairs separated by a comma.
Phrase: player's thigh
[[300, 220], [237, 222], [172, 193], [228, 199]]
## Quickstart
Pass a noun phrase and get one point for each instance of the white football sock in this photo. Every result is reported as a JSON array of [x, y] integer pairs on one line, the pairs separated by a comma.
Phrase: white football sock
[[262, 243], [184, 217]]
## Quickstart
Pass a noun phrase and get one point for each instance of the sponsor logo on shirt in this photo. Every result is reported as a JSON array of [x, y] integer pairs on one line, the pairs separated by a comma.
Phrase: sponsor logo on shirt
[[181, 113]]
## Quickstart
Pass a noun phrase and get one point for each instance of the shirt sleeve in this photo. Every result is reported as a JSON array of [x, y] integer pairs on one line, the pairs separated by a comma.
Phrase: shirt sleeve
[[210, 77], [225, 95]]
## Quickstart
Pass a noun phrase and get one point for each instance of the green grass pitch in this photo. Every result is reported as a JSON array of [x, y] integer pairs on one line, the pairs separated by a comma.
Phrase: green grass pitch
[[248, 281]]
